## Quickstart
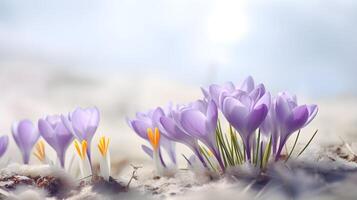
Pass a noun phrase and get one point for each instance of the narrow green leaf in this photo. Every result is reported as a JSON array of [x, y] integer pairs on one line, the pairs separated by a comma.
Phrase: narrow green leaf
[[205, 154], [257, 149], [235, 145], [308, 143], [244, 156], [239, 151], [220, 147], [296, 139], [267, 153]]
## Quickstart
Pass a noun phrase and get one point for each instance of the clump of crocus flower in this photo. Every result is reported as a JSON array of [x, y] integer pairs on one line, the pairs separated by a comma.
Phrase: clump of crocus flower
[[259, 126], [59, 131]]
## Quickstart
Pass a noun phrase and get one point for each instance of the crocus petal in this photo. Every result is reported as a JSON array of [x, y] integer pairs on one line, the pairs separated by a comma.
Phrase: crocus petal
[[93, 124], [212, 116], [64, 137], [248, 84], [158, 112], [258, 92], [298, 118], [236, 113], [282, 109], [169, 146], [313, 109], [147, 150], [193, 122], [4, 141], [53, 120], [229, 86], [94, 117], [246, 100], [63, 140], [205, 93], [256, 117], [67, 123], [215, 91], [47, 132], [292, 99], [264, 100], [15, 134], [173, 132], [80, 121], [140, 127]]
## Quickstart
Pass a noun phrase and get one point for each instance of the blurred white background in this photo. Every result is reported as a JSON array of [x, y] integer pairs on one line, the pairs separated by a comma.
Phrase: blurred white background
[[130, 55]]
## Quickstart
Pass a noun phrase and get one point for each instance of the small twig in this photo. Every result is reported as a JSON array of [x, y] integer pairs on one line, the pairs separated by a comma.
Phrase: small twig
[[133, 175], [136, 167]]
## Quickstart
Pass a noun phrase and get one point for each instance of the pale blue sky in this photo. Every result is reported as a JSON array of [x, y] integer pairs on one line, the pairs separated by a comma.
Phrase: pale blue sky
[[305, 46]]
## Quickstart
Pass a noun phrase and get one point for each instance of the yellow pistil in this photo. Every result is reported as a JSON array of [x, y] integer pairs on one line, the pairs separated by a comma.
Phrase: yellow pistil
[[210, 154], [82, 152], [154, 138], [103, 145], [40, 151]]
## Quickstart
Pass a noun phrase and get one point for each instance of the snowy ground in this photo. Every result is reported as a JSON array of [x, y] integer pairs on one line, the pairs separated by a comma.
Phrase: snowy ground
[[326, 170]]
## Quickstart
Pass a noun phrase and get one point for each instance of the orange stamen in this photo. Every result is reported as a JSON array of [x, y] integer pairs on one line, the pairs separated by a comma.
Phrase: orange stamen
[[84, 149], [40, 151], [154, 138], [82, 152], [103, 145]]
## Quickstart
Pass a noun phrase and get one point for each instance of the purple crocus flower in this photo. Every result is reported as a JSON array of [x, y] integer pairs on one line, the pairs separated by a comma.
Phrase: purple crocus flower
[[25, 135], [83, 123], [217, 93], [289, 117], [151, 120], [4, 141], [246, 114], [56, 134], [175, 132], [200, 121], [214, 91]]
